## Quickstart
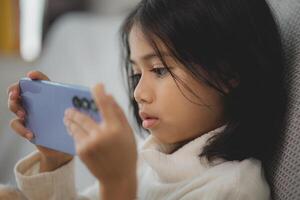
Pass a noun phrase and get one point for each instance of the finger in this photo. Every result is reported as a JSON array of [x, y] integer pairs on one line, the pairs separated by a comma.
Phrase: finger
[[14, 94], [14, 101], [104, 103], [16, 108], [37, 75], [18, 126], [14, 90], [118, 110], [84, 121], [75, 130]]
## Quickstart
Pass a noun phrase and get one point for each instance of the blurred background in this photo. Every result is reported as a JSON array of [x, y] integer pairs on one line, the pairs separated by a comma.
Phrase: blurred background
[[72, 41]]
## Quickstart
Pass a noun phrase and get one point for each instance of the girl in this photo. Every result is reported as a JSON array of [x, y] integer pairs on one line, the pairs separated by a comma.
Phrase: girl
[[205, 81]]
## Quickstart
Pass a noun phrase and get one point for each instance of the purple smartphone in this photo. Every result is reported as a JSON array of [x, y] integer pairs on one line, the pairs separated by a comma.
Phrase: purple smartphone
[[45, 103]]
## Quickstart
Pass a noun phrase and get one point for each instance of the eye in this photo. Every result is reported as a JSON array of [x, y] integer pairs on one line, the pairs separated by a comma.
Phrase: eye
[[160, 71]]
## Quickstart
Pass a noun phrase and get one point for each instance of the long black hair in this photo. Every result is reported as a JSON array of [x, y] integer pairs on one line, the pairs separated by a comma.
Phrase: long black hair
[[229, 40]]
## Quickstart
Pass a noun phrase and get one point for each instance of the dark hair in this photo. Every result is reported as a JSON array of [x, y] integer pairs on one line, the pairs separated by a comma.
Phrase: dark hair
[[229, 39]]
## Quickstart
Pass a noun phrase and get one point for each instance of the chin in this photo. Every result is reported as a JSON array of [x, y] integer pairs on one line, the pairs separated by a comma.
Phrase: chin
[[164, 140]]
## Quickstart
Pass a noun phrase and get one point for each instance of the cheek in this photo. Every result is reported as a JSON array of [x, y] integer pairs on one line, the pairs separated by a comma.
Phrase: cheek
[[186, 120]]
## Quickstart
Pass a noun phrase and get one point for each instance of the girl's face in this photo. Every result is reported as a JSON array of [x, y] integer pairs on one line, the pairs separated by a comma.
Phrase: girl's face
[[167, 111]]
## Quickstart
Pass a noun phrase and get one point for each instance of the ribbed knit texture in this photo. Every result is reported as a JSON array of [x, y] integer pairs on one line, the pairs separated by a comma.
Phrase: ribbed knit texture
[[161, 175]]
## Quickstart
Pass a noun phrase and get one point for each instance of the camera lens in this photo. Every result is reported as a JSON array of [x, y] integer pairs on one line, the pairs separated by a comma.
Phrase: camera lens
[[93, 106], [85, 104], [76, 102]]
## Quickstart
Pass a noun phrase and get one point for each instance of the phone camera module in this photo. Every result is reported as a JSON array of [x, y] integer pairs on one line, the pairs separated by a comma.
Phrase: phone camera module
[[93, 106], [76, 102], [85, 104]]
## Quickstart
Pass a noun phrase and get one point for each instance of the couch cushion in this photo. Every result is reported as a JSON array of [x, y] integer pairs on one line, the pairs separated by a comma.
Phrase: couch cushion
[[285, 169]]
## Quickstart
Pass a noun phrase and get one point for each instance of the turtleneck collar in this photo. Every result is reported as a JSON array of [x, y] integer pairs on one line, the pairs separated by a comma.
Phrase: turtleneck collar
[[180, 165]]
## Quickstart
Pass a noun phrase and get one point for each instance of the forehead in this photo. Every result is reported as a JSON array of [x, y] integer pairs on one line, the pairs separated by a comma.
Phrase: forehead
[[139, 45]]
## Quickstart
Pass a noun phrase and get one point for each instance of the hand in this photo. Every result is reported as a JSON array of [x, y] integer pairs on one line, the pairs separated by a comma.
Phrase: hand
[[50, 159], [108, 149]]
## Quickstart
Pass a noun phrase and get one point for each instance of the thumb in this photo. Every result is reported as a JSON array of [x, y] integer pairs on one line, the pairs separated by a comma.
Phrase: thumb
[[37, 75]]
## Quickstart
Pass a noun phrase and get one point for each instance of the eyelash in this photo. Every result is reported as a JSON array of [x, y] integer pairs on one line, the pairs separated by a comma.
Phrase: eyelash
[[156, 70]]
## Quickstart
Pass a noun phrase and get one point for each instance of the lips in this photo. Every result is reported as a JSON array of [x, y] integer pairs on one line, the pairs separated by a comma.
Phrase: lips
[[149, 121], [145, 116]]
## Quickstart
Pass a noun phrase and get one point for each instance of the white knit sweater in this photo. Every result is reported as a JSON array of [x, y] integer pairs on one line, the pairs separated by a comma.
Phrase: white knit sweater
[[161, 175]]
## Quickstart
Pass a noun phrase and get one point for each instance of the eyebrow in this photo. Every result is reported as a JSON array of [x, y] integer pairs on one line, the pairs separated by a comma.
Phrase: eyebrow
[[150, 56]]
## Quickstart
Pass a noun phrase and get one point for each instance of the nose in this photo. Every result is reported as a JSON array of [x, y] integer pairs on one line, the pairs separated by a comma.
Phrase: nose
[[143, 91]]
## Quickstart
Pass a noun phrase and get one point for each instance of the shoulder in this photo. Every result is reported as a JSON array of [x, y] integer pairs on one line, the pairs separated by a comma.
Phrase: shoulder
[[246, 178], [234, 180], [251, 180]]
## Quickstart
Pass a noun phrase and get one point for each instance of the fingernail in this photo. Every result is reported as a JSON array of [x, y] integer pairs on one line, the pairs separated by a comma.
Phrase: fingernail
[[67, 112], [14, 94], [65, 121], [101, 87], [29, 136], [10, 95], [69, 132], [21, 114]]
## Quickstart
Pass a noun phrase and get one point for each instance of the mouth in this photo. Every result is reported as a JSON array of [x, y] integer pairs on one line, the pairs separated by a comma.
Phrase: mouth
[[149, 121]]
